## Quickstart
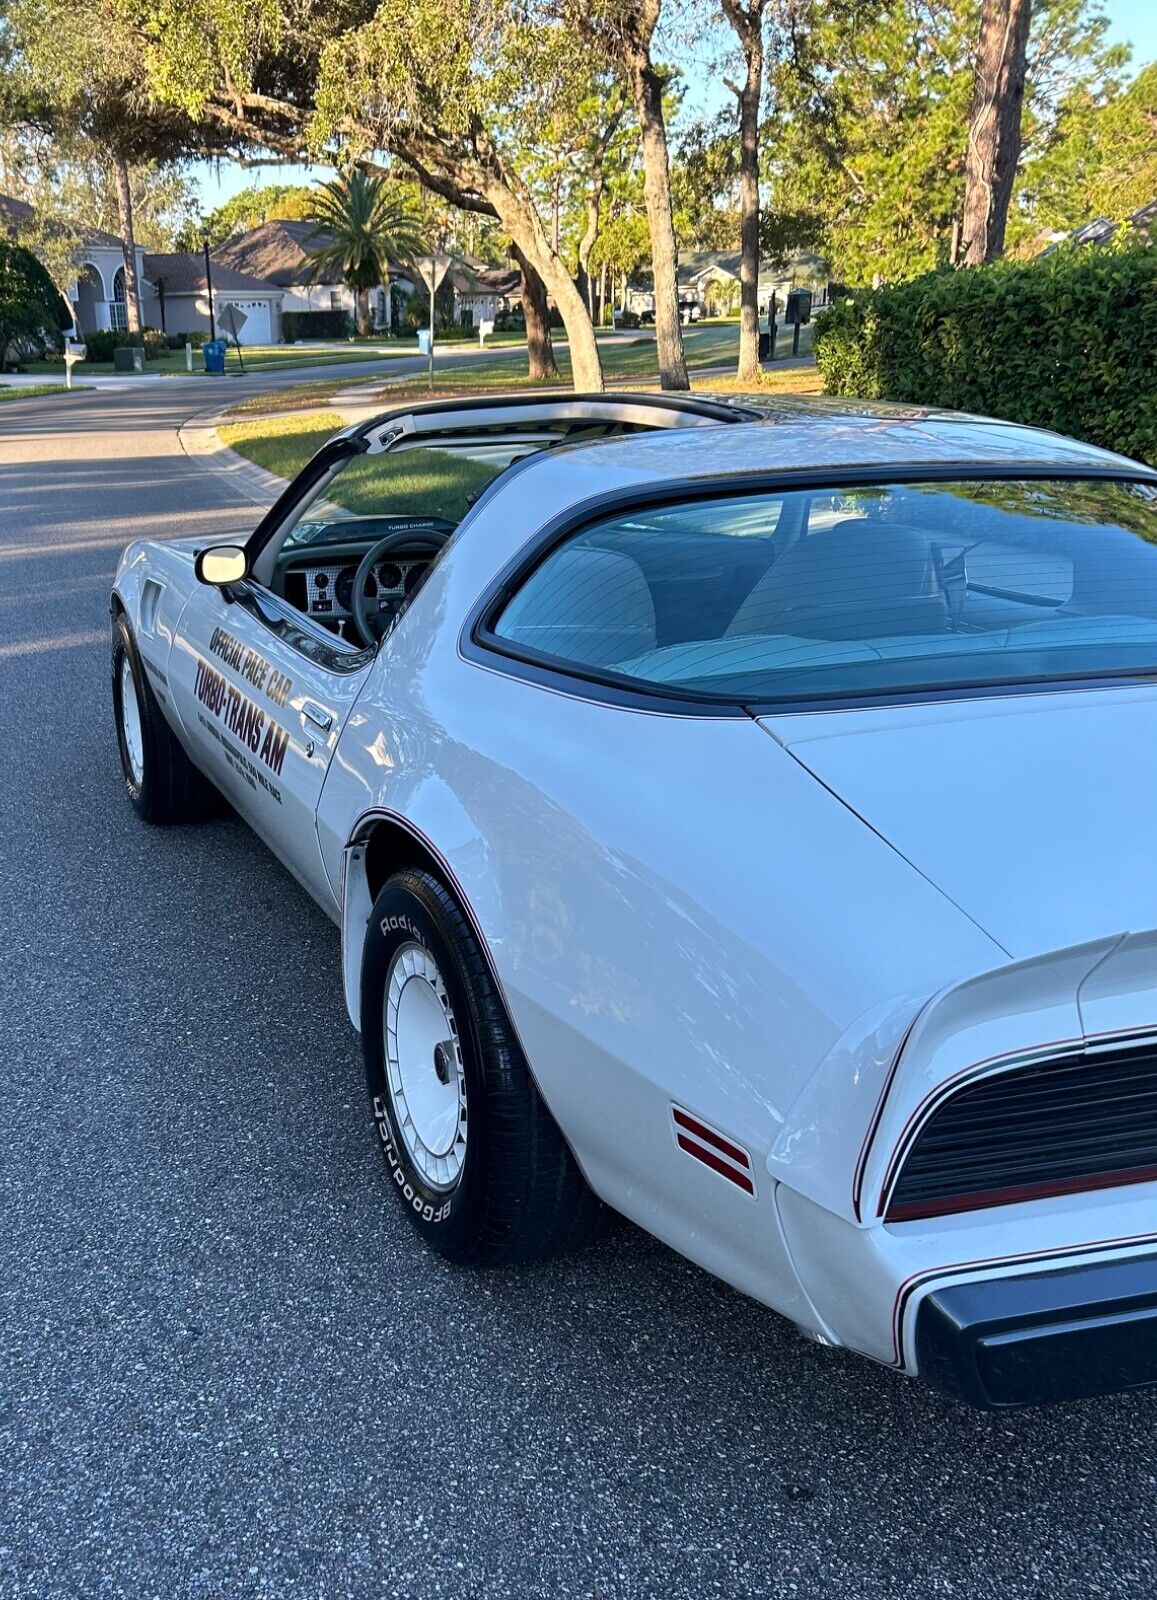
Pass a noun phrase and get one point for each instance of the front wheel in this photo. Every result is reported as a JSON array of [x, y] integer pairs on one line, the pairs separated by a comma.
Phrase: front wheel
[[161, 782], [476, 1159]]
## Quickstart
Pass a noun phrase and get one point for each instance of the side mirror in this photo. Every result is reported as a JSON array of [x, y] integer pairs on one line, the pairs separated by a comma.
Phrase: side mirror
[[221, 565]]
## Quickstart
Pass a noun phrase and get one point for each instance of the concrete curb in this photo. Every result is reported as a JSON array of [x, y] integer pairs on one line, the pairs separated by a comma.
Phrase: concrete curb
[[204, 447], [199, 439]]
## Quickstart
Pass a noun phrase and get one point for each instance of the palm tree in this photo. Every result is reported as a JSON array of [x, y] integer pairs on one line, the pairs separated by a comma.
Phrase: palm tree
[[361, 227]]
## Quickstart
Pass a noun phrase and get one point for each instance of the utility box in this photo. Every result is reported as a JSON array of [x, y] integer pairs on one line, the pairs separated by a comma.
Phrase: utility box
[[127, 359], [799, 307]]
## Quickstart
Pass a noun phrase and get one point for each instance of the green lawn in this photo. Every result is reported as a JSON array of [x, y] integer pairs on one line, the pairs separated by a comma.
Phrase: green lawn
[[298, 397], [414, 483], [706, 346], [774, 380], [28, 391], [281, 444], [260, 358]]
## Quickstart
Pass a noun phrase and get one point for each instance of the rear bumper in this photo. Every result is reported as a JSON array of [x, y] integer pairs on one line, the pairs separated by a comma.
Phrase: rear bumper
[[1042, 1337]]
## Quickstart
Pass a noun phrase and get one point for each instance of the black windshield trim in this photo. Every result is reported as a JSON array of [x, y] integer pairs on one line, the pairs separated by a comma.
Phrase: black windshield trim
[[334, 451]]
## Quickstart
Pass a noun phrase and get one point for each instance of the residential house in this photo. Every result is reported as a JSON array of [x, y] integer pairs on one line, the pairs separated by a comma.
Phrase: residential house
[[176, 299], [1102, 229], [485, 291], [280, 253], [713, 275], [97, 295]]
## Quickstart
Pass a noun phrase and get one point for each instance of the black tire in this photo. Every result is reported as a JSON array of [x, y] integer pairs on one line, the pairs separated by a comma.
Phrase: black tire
[[519, 1195], [168, 787]]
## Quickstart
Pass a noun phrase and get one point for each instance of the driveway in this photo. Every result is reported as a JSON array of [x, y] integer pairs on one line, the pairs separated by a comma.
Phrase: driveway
[[226, 1368]]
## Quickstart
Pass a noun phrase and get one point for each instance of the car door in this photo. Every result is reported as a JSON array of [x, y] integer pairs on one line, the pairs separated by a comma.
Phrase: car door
[[263, 696]]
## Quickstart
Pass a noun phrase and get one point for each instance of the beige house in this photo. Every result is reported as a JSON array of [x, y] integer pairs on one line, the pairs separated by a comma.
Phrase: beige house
[[279, 254], [176, 299]]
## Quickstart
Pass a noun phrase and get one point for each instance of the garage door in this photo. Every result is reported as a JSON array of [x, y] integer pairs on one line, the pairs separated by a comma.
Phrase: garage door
[[251, 318]]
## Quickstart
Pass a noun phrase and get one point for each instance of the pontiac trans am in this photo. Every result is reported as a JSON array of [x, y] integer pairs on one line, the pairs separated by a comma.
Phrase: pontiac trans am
[[738, 817]]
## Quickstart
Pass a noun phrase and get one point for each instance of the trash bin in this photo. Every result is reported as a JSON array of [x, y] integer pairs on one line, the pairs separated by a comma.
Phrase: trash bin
[[214, 352], [765, 346]]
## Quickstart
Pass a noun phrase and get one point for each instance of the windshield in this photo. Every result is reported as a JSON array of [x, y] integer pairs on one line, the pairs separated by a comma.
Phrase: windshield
[[411, 490], [852, 592], [424, 483]]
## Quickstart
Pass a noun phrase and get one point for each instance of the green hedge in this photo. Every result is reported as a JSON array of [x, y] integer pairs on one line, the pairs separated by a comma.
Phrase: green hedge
[[1067, 341], [315, 325]]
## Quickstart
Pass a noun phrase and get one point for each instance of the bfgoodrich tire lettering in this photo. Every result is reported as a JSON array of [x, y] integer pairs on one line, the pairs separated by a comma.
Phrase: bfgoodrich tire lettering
[[161, 782], [516, 1194]]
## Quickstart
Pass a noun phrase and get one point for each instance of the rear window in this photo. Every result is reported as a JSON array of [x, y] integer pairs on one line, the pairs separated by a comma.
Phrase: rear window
[[850, 592]]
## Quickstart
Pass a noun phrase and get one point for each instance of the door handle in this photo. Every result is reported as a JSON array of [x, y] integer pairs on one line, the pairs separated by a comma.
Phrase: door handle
[[318, 715]]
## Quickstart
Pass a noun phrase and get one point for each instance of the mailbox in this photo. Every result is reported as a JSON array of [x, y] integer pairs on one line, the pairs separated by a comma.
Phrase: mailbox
[[799, 307], [73, 352]]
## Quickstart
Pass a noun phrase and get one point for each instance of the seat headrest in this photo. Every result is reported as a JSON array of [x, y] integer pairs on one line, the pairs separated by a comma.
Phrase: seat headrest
[[859, 562]]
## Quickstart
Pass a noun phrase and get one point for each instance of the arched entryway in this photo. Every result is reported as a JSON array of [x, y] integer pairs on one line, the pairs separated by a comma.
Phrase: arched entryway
[[89, 299]]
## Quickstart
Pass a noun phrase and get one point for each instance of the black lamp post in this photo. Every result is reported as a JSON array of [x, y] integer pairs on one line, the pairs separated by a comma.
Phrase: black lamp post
[[209, 287]]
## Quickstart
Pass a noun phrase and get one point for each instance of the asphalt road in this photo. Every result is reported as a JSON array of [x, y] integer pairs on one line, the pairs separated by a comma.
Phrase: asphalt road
[[226, 1368]]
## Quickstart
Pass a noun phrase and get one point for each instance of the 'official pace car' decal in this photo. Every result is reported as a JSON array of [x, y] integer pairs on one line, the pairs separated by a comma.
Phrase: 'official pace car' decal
[[713, 1149], [250, 666]]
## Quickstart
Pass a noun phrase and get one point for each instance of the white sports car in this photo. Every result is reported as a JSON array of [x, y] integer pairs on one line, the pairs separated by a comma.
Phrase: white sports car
[[737, 817]]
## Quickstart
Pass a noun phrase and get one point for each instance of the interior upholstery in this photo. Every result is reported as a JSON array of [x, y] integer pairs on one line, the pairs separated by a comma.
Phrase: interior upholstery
[[860, 579], [604, 598]]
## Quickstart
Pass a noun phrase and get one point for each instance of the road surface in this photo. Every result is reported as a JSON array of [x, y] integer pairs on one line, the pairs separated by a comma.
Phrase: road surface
[[226, 1368]]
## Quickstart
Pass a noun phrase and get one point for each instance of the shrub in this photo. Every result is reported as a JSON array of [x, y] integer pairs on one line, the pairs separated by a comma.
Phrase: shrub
[[32, 312], [1066, 341], [100, 345], [512, 321], [316, 325], [195, 336]]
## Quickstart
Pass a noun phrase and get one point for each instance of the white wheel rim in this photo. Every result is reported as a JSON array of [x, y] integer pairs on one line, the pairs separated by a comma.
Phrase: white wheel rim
[[424, 1072], [131, 722]]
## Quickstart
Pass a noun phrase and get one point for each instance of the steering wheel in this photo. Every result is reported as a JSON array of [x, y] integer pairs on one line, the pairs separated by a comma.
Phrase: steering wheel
[[367, 612]]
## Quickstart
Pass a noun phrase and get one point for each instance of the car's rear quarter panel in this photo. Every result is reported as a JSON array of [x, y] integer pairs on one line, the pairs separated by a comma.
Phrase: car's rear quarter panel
[[677, 912]]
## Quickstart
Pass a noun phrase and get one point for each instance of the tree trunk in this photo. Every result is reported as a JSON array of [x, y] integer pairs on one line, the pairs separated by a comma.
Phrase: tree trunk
[[362, 315], [590, 235], [128, 249], [521, 221], [748, 24], [480, 181], [539, 345], [647, 87], [994, 126]]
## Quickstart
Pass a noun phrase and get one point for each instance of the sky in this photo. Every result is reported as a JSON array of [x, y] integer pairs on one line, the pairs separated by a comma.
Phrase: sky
[[1130, 22]]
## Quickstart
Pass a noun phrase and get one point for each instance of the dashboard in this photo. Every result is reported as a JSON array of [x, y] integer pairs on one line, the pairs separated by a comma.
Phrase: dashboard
[[319, 562], [323, 590]]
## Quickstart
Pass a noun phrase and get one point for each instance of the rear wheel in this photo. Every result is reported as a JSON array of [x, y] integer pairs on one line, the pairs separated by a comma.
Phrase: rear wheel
[[161, 782], [476, 1159]]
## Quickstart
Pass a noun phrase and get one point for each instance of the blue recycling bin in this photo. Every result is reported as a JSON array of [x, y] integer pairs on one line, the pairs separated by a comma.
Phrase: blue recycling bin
[[214, 352]]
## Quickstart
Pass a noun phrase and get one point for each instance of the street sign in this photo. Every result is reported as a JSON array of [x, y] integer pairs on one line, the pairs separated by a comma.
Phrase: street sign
[[433, 269]]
